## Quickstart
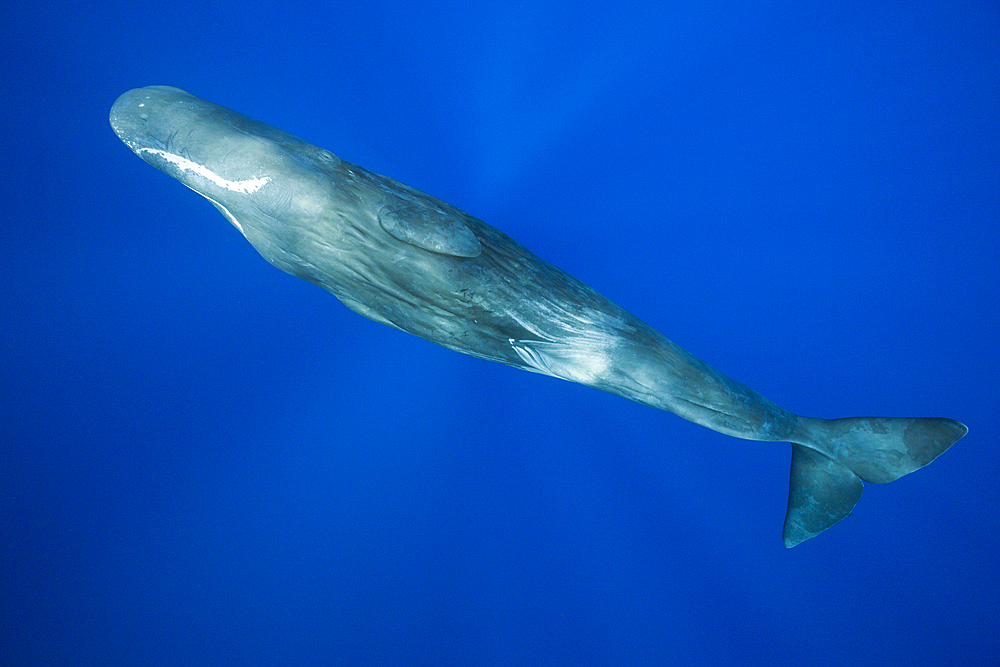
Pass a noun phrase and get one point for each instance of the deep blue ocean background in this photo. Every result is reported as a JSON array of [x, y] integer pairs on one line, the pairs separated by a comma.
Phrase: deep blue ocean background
[[205, 461]]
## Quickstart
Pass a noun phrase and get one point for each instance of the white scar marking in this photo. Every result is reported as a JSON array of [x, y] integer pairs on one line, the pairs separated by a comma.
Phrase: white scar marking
[[246, 187]]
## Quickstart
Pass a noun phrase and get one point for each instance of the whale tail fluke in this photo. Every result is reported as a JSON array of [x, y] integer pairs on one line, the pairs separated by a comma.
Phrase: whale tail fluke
[[824, 487]]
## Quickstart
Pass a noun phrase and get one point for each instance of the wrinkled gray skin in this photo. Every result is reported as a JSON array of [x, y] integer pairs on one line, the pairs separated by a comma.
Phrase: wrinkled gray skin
[[406, 259]]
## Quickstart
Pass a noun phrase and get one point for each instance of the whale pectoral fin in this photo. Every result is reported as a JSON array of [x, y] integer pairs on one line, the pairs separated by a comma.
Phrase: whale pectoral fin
[[821, 492], [430, 229]]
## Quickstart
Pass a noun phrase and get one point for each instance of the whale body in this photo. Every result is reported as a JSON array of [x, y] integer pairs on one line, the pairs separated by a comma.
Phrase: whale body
[[401, 257]]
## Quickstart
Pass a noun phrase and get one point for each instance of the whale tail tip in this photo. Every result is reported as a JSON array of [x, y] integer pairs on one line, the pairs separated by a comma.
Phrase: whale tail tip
[[823, 489]]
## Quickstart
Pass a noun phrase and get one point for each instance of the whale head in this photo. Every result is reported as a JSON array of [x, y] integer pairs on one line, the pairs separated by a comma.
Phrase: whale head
[[260, 178]]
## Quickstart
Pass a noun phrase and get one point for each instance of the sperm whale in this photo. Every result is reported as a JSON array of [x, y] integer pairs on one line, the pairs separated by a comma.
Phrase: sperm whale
[[406, 259]]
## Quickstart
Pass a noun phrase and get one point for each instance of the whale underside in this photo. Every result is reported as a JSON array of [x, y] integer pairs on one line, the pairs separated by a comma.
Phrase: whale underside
[[403, 258]]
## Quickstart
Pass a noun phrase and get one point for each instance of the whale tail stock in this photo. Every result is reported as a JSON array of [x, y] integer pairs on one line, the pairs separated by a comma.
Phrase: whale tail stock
[[827, 471]]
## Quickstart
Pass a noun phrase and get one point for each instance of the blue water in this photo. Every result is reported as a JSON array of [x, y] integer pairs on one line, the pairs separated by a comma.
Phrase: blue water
[[208, 462]]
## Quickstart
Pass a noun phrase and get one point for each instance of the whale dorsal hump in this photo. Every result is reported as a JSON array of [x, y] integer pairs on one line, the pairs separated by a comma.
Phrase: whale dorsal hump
[[430, 229]]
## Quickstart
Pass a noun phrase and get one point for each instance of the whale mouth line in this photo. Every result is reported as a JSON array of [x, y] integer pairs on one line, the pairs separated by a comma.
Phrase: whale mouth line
[[248, 186]]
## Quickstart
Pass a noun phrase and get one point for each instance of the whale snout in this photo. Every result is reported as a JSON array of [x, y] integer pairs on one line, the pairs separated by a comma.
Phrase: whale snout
[[137, 115]]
